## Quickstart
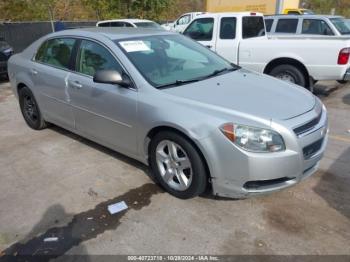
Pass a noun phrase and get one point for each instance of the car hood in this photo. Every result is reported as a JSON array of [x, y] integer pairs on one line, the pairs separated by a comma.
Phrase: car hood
[[249, 93]]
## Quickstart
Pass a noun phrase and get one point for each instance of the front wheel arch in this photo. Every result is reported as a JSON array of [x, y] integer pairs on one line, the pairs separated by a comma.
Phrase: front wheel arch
[[154, 131]]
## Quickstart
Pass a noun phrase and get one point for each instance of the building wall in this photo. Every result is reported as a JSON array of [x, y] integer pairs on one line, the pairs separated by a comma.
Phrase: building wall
[[291, 4]]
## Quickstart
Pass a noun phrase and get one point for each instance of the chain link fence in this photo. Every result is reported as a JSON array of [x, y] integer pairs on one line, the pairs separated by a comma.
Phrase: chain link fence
[[22, 34]]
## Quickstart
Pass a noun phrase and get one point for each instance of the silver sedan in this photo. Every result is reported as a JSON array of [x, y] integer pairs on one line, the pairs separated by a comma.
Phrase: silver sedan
[[198, 121]]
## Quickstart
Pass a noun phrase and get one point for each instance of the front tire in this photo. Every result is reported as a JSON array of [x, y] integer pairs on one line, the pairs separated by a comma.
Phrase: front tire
[[177, 165], [342, 82], [30, 109], [289, 73]]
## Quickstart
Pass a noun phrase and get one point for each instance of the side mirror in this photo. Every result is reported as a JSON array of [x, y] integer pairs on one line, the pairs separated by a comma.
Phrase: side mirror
[[112, 77]]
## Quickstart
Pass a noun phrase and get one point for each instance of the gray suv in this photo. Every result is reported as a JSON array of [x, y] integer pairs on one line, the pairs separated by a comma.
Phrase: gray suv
[[307, 25]]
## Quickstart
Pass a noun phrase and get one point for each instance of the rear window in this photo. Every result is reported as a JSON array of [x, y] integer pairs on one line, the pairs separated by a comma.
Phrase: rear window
[[201, 29], [287, 26], [253, 26], [268, 23], [228, 28]]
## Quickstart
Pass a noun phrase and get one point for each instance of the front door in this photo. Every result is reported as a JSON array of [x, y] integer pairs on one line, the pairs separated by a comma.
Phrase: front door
[[104, 112], [203, 31]]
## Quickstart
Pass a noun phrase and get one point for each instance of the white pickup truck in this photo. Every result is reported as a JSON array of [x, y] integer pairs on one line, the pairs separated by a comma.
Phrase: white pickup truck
[[241, 39]]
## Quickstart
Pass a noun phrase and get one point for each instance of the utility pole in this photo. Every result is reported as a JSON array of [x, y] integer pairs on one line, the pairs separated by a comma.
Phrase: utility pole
[[51, 17], [279, 6]]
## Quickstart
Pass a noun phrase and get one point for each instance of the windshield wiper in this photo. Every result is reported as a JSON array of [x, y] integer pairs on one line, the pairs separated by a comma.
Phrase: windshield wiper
[[178, 83], [219, 71], [215, 73]]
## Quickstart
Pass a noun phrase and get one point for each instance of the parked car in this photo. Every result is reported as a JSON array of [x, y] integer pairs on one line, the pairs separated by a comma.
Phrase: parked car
[[307, 25], [241, 39], [5, 53], [191, 115], [142, 23], [297, 11], [182, 22]]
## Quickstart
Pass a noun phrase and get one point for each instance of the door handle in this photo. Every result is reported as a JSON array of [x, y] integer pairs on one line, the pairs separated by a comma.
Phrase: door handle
[[209, 46], [34, 72], [76, 84]]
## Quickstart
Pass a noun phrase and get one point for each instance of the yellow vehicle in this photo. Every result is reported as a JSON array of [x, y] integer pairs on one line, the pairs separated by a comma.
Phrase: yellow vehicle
[[297, 11], [261, 6]]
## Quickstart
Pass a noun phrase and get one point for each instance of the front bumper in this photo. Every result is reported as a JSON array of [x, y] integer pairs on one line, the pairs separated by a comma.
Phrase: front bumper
[[347, 75], [238, 174]]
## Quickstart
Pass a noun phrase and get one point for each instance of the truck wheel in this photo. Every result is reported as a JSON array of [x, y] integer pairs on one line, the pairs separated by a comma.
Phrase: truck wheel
[[30, 109], [343, 82], [289, 73], [177, 165]]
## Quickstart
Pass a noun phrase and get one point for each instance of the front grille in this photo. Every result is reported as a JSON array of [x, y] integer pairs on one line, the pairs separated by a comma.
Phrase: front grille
[[308, 126], [266, 183], [310, 150]]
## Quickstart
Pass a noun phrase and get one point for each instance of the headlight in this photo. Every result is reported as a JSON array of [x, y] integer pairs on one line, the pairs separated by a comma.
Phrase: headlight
[[253, 138]]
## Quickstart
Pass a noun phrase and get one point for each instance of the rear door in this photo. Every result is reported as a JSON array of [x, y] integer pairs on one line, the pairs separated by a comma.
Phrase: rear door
[[104, 112], [203, 31], [227, 41], [49, 73]]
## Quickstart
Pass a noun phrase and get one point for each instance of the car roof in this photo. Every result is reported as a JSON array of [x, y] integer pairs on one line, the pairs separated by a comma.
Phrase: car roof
[[303, 16], [112, 33], [126, 20], [229, 14]]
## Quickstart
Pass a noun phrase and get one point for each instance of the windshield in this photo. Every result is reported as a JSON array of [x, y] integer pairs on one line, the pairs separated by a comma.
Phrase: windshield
[[342, 26], [166, 60], [148, 25]]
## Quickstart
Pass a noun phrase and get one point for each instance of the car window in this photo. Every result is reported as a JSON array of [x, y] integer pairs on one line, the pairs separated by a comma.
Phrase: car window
[[184, 20], [56, 52], [268, 23], [201, 29], [287, 26], [253, 26], [126, 24], [228, 28], [106, 24], [316, 27], [342, 26], [117, 24], [148, 25], [93, 57]]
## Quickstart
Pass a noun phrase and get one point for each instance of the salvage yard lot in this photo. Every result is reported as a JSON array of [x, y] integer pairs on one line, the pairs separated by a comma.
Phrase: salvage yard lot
[[54, 183]]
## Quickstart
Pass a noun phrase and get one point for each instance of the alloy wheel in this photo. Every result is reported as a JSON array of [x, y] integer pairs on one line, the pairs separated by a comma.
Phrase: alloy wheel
[[174, 165]]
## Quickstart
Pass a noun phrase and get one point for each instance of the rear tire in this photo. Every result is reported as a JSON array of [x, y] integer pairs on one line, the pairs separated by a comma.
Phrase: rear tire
[[289, 73], [342, 82], [177, 165], [30, 109]]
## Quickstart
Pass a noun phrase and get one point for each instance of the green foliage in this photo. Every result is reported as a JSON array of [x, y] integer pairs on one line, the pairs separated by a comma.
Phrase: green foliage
[[342, 7], [159, 10]]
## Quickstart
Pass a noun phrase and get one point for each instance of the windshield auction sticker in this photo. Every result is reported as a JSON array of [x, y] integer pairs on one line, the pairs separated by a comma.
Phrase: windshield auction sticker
[[134, 46]]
